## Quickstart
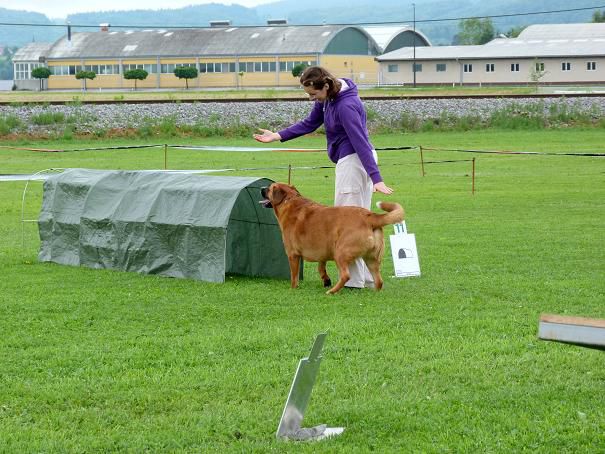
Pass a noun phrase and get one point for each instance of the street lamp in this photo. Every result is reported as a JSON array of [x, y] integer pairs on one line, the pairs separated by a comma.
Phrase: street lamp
[[414, 38]]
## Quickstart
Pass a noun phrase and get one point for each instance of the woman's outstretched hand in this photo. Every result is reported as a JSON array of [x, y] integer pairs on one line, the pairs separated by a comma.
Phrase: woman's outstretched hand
[[266, 136], [381, 187]]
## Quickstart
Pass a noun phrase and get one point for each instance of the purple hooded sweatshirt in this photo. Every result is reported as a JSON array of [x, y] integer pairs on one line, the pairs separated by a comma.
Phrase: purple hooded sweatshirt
[[345, 121]]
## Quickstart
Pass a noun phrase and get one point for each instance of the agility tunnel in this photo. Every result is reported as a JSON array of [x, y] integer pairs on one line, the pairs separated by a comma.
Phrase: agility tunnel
[[178, 224]]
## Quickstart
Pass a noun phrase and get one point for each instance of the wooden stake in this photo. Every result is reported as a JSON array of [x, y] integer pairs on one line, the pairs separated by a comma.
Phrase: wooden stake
[[473, 190], [422, 160]]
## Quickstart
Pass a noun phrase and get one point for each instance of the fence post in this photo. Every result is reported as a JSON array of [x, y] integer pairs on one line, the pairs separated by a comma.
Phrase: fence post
[[165, 156], [422, 160], [289, 173], [473, 186]]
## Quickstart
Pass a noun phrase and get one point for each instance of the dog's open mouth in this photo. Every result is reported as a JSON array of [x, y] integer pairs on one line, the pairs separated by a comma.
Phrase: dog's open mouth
[[266, 203]]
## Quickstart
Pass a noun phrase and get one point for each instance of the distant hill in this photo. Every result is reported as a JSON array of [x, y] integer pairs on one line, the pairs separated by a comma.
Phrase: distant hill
[[297, 12], [18, 36]]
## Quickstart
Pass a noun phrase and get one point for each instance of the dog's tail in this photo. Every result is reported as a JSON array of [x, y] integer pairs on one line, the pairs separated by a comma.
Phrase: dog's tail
[[394, 214]]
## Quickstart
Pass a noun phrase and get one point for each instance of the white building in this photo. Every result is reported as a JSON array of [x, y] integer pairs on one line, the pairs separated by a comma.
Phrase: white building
[[550, 54]]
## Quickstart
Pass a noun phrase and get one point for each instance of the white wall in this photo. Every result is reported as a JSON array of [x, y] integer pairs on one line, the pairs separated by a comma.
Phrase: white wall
[[502, 74]]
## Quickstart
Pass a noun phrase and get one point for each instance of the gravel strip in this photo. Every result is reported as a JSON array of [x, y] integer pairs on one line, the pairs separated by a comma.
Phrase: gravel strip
[[88, 118]]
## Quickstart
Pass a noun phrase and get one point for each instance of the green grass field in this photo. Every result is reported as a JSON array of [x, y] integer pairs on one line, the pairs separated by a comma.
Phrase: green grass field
[[100, 360]]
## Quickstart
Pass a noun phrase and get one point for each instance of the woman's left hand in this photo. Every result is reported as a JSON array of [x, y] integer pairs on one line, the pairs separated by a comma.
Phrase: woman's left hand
[[381, 187]]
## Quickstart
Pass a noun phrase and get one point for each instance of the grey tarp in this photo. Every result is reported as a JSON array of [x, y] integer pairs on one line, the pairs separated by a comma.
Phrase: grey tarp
[[173, 224]]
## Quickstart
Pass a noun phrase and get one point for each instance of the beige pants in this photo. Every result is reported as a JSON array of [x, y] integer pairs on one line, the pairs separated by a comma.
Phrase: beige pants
[[354, 187]]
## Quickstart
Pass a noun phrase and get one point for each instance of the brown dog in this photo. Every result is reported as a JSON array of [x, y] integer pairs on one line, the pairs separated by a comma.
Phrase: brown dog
[[319, 233]]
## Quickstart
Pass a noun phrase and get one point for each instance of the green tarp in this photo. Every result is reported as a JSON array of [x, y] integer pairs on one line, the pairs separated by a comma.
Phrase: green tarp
[[170, 223]]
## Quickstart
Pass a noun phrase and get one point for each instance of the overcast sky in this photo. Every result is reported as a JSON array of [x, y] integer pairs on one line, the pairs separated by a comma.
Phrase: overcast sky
[[60, 9]]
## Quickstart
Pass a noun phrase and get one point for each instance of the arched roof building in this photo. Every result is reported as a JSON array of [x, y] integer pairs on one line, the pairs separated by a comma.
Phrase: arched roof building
[[225, 56], [217, 42], [391, 38]]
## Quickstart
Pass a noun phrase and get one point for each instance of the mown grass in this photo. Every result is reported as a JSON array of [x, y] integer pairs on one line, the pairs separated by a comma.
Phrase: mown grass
[[99, 360]]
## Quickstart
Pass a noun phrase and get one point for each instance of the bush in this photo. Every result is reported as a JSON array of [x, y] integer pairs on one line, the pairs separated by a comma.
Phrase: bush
[[409, 122], [371, 114], [48, 118], [146, 130], [68, 133], [12, 121], [516, 116], [185, 72], [167, 127], [299, 69], [136, 74], [41, 73], [84, 75], [8, 124]]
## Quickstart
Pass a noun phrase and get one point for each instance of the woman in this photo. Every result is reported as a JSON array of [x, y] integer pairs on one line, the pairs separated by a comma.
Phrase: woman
[[339, 108]]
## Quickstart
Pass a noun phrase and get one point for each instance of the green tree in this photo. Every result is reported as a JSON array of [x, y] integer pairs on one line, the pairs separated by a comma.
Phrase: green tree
[[41, 73], [475, 31], [136, 74], [185, 72], [598, 16], [6, 64], [536, 73], [515, 31], [84, 75], [298, 69]]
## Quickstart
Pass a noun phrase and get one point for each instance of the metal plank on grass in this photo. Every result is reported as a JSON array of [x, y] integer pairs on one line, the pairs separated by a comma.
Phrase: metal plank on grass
[[585, 332], [298, 399]]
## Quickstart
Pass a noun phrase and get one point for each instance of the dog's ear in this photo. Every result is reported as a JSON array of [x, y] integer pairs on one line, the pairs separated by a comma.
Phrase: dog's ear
[[277, 195], [294, 189]]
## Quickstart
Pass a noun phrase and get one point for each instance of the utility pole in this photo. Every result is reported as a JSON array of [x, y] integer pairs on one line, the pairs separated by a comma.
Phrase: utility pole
[[414, 38]]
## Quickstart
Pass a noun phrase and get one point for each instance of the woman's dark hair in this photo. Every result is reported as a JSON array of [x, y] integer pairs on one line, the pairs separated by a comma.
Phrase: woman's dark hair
[[317, 77]]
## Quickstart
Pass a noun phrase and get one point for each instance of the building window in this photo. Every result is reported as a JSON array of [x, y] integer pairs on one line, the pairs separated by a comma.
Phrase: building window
[[514, 67], [393, 68], [441, 67], [566, 66], [490, 67], [99, 69], [539, 66], [168, 68], [271, 66], [23, 71], [151, 69], [591, 66], [468, 68], [418, 67], [62, 70]]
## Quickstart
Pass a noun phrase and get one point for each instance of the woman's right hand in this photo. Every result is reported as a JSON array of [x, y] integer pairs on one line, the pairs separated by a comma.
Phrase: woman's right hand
[[266, 136]]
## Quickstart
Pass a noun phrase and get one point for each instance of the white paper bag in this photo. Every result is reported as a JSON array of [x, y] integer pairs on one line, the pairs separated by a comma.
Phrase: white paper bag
[[405, 254]]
